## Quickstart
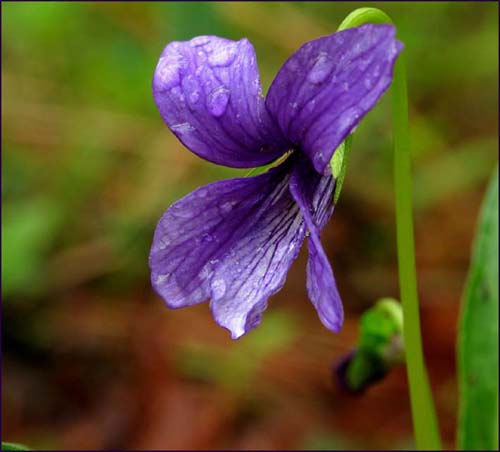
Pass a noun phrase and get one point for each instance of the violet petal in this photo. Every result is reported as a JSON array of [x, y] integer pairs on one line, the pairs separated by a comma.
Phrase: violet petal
[[314, 195], [232, 241], [209, 94], [325, 88]]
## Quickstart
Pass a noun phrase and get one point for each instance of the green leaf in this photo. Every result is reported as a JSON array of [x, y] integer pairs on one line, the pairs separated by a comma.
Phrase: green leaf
[[13, 446], [338, 164], [478, 336]]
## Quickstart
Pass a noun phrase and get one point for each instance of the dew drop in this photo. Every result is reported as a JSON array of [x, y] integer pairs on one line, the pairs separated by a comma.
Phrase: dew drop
[[180, 212], [164, 242], [183, 127], [194, 97], [261, 270], [207, 238], [202, 192], [199, 41], [217, 101], [363, 64], [222, 56], [322, 68], [226, 207], [350, 116], [167, 74], [191, 88], [218, 288], [162, 278]]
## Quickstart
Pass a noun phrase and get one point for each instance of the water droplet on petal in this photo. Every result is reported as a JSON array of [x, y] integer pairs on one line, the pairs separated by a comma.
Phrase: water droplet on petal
[[162, 278], [226, 207], [321, 69], [350, 116], [191, 88], [363, 64], [194, 97], [217, 101], [218, 288], [261, 270], [207, 238], [183, 127], [164, 242], [201, 192], [368, 83], [199, 41], [222, 55], [167, 74]]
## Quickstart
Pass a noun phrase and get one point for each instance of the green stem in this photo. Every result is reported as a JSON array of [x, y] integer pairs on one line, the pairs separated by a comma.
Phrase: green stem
[[422, 405]]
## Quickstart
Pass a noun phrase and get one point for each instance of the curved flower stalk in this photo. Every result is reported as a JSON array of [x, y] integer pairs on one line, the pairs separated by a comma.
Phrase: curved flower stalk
[[233, 241], [425, 421]]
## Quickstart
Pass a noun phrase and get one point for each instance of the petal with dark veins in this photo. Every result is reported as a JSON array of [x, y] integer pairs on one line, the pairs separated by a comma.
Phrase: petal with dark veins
[[231, 241], [325, 88], [314, 195]]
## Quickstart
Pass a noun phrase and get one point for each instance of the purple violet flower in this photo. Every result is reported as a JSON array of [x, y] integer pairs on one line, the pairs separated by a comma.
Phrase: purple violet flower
[[233, 241]]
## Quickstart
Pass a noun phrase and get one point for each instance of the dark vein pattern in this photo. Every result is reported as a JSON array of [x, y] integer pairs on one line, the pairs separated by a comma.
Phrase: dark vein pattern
[[231, 241], [327, 86], [314, 195]]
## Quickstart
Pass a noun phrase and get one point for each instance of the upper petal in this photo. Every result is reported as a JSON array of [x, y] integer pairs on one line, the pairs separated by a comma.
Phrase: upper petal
[[232, 241], [326, 87], [314, 195], [209, 94]]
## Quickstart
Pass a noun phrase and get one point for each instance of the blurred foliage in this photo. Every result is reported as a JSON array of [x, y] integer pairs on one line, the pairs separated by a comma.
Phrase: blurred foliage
[[28, 231], [88, 168], [238, 367], [81, 130], [13, 446], [478, 336]]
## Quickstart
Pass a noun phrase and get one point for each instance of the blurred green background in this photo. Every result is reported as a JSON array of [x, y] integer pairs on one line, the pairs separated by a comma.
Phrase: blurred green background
[[91, 358]]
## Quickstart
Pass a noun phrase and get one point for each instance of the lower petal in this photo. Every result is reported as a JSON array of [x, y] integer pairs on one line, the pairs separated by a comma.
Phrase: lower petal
[[321, 286], [231, 241], [314, 195]]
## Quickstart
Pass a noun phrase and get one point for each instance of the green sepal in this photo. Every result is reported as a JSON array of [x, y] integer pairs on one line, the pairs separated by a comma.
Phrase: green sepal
[[338, 165]]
